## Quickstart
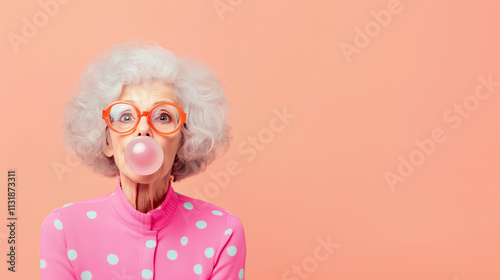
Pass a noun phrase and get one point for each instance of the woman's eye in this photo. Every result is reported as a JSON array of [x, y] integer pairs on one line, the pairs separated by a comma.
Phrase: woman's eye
[[164, 117], [126, 118]]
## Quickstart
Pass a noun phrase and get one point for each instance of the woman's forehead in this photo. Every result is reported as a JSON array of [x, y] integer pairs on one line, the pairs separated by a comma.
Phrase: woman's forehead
[[148, 94]]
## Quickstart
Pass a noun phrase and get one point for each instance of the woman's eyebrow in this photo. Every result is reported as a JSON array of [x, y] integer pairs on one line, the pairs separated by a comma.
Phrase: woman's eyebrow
[[132, 101]]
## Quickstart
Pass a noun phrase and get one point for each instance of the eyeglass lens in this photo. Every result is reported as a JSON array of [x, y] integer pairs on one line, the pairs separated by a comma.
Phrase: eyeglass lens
[[165, 118]]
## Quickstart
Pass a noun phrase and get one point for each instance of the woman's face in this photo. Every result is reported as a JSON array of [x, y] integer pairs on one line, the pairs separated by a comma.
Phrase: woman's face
[[144, 97]]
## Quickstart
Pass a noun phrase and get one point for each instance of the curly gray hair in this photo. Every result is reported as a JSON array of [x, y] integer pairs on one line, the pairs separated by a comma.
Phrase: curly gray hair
[[200, 93]]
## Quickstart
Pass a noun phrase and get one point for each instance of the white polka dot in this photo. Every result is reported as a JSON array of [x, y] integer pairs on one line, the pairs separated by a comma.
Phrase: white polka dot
[[172, 255], [241, 274], [228, 231], [112, 259], [218, 213], [147, 274], [231, 250], [188, 205], [71, 255], [201, 224], [66, 205], [150, 243], [91, 214], [58, 224], [184, 240], [43, 263], [197, 269], [86, 275], [228, 211], [159, 207], [209, 252], [113, 194]]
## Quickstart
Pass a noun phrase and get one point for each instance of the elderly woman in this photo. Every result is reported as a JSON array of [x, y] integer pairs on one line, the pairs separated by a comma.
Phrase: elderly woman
[[144, 229]]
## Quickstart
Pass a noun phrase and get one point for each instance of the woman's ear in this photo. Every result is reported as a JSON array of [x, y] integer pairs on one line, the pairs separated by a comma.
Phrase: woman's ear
[[108, 149]]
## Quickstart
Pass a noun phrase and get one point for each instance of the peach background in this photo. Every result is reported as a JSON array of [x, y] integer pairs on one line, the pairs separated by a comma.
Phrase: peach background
[[323, 173]]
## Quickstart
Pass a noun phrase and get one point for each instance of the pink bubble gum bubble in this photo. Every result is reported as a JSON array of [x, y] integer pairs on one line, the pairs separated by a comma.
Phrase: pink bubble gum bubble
[[143, 155]]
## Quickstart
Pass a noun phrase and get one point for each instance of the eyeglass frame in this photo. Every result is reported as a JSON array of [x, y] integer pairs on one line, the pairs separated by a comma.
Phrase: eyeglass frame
[[147, 114]]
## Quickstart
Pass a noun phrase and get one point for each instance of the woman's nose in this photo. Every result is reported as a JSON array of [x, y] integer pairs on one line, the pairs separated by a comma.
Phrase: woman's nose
[[143, 128]]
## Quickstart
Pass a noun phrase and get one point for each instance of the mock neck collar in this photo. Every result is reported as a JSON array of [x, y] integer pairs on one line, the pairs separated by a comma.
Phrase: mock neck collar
[[152, 220]]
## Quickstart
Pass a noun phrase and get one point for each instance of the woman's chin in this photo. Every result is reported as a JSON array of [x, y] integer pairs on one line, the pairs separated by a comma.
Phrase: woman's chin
[[143, 179]]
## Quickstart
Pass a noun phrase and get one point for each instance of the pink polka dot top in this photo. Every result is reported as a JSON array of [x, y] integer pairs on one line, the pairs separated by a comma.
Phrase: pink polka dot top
[[106, 238]]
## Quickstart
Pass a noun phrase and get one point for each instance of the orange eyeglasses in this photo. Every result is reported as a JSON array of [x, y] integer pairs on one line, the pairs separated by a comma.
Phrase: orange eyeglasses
[[123, 117]]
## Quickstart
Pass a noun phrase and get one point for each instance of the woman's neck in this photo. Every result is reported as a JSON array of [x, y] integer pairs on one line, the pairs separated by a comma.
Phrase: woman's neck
[[145, 197]]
